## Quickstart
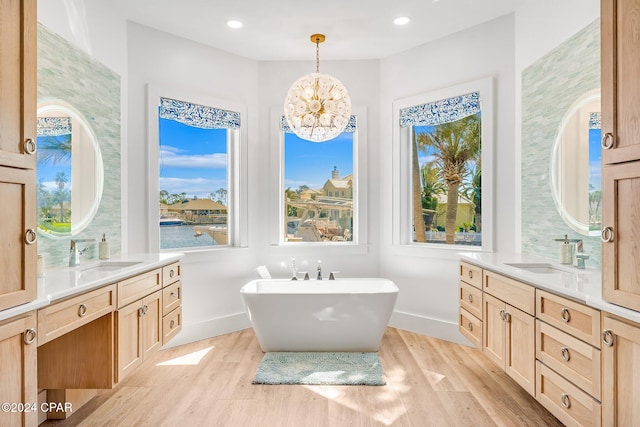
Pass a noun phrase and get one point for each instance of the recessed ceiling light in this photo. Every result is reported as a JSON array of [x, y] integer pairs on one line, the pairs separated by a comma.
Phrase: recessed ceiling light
[[403, 20], [232, 23]]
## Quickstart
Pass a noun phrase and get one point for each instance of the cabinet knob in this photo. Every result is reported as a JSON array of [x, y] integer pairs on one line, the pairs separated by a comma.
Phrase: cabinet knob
[[565, 315], [29, 146], [507, 316], [174, 294], [82, 310], [30, 336], [501, 313], [607, 141], [30, 236], [172, 323], [606, 235], [470, 298], [140, 311], [566, 356], [607, 337], [566, 401], [171, 273], [470, 274]]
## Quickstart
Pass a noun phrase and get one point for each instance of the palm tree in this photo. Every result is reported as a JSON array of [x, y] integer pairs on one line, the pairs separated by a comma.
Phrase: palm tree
[[61, 195], [418, 222], [54, 148], [431, 187], [454, 143]]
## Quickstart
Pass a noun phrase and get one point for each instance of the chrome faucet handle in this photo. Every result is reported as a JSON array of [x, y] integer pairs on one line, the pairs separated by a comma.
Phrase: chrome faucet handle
[[579, 261], [306, 275], [331, 275], [74, 252]]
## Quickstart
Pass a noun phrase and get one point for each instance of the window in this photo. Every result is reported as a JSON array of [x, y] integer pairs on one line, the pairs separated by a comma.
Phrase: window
[[198, 181], [319, 187], [445, 143]]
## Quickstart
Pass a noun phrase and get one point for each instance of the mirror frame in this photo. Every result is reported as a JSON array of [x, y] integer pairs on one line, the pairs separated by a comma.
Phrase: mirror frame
[[59, 105], [554, 165]]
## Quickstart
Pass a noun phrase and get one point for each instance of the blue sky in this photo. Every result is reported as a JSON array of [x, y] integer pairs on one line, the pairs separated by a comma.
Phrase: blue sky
[[595, 157], [192, 160], [47, 171], [310, 163]]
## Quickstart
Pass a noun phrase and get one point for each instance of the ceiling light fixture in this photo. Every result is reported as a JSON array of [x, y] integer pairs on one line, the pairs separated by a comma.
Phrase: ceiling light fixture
[[233, 23], [317, 106], [402, 20]]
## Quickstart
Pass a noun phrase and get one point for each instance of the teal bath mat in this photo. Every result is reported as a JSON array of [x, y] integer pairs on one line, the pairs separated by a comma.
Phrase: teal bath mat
[[320, 368]]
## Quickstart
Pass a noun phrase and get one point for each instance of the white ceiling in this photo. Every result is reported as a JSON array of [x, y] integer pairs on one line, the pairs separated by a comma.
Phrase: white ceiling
[[280, 29]]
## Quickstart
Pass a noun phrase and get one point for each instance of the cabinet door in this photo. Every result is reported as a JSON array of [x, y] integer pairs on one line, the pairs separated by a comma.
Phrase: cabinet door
[[520, 357], [621, 219], [620, 83], [493, 336], [620, 373], [18, 370], [129, 340], [18, 83], [151, 323], [18, 251]]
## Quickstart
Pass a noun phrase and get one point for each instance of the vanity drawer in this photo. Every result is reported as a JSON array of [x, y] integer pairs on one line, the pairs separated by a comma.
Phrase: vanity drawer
[[133, 289], [572, 317], [171, 325], [567, 402], [171, 297], [471, 299], [65, 316], [170, 273], [573, 359], [471, 274], [470, 327], [517, 294]]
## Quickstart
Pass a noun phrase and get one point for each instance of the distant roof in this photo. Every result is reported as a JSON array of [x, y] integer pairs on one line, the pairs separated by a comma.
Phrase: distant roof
[[339, 183], [462, 200], [198, 205]]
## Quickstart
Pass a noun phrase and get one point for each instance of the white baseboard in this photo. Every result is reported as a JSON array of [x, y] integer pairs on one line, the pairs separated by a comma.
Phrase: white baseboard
[[435, 328], [419, 324], [210, 328]]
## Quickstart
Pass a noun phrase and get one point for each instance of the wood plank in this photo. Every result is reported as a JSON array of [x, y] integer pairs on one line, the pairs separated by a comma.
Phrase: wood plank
[[429, 383]]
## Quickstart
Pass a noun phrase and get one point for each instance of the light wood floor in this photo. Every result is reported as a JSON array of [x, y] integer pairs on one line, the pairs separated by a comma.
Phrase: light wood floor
[[429, 383]]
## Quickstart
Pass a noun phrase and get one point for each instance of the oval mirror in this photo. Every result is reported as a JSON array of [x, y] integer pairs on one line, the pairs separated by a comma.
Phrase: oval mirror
[[576, 166], [69, 170]]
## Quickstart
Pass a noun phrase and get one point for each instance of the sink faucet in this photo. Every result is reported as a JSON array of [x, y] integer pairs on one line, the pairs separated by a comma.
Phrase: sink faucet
[[74, 252], [319, 268], [579, 256]]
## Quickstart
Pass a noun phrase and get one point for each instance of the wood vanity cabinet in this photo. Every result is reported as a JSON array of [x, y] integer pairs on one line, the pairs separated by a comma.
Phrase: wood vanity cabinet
[[17, 152], [568, 367], [470, 300], [621, 154], [139, 323], [620, 373], [509, 327], [620, 52], [172, 301], [18, 341]]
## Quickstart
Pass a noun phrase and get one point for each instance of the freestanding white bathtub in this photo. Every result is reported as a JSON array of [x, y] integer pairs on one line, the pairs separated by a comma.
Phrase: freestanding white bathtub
[[314, 315]]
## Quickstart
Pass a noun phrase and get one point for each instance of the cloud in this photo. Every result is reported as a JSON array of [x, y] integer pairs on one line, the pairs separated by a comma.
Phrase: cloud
[[171, 157], [200, 187]]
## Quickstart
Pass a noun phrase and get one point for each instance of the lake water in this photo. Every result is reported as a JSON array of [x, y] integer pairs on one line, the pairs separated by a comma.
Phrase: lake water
[[183, 236]]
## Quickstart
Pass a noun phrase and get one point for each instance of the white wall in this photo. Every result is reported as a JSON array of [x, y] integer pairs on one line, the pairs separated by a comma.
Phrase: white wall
[[211, 279], [428, 279]]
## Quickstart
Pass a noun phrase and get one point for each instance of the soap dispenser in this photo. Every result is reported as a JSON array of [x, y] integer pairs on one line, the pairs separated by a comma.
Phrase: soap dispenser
[[103, 248], [566, 250]]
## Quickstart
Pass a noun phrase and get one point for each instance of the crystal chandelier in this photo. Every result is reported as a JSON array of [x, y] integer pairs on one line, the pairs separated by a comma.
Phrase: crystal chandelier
[[317, 106]]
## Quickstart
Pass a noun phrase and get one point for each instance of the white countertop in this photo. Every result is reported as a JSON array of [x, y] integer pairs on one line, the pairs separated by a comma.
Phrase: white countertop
[[581, 285], [63, 282]]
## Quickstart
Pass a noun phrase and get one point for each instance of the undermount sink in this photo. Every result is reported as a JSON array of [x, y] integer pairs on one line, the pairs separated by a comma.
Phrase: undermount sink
[[538, 268], [110, 265]]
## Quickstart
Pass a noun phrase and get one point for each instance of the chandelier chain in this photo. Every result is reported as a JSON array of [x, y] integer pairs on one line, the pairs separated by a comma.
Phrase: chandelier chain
[[317, 56]]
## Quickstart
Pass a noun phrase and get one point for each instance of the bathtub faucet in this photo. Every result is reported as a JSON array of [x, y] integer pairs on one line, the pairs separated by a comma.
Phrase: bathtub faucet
[[319, 268]]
